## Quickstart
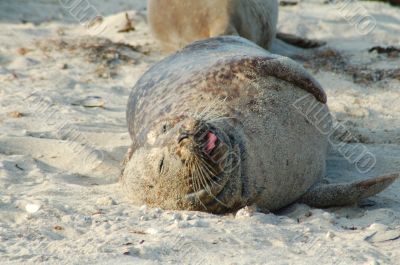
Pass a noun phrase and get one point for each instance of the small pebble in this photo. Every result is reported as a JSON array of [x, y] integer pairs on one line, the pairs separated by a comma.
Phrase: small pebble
[[22, 51], [378, 227], [247, 211], [32, 208], [15, 114], [105, 201], [152, 231], [144, 218], [308, 214], [132, 251], [58, 228], [157, 211], [67, 219], [326, 215], [330, 235], [87, 219]]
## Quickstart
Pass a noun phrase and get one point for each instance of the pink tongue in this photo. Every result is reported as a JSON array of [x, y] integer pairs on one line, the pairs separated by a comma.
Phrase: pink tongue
[[211, 140]]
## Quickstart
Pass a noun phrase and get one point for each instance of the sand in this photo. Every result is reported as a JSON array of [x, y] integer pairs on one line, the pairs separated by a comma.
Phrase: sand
[[63, 93]]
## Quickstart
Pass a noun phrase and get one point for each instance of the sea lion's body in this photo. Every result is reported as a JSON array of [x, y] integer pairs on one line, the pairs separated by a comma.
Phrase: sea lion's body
[[176, 23], [236, 105]]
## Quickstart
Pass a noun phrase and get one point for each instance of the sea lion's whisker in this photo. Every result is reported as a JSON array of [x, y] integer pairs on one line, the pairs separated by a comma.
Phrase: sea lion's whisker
[[210, 111], [197, 178], [195, 184], [195, 115], [199, 200], [200, 178], [204, 177], [208, 177], [212, 115], [201, 113], [212, 195], [210, 172], [193, 172], [208, 167]]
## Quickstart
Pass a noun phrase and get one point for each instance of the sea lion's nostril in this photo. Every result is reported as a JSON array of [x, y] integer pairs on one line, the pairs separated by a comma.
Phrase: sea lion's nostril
[[182, 136]]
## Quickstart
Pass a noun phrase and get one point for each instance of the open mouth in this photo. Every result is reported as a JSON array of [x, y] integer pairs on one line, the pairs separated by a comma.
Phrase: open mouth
[[205, 141], [211, 142], [215, 150], [208, 140]]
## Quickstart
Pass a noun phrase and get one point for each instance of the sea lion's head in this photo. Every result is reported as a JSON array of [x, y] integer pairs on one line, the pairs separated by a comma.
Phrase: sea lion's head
[[186, 163]]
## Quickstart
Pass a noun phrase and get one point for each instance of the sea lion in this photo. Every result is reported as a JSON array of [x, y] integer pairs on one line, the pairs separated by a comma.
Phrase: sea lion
[[214, 128], [176, 23]]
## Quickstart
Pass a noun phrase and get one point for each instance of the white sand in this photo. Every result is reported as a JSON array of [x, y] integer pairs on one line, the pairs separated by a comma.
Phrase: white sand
[[60, 202]]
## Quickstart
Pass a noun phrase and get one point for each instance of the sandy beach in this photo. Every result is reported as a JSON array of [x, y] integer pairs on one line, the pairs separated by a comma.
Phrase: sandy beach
[[63, 94]]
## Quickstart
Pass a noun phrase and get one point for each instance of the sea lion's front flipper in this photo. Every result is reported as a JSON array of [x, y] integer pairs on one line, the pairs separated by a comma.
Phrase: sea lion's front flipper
[[299, 41], [339, 194]]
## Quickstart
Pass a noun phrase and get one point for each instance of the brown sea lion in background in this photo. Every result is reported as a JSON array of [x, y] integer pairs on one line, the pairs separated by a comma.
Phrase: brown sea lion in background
[[177, 23]]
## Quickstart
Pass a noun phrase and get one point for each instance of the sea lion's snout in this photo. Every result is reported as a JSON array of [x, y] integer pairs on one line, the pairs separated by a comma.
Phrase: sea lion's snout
[[208, 140], [198, 139]]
